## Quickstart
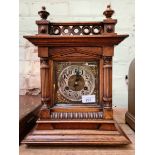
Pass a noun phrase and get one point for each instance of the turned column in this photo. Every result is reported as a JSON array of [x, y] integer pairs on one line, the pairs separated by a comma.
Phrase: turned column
[[45, 81], [107, 87], [45, 86]]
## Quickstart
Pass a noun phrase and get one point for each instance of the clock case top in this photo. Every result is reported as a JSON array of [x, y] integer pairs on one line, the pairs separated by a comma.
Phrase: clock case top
[[76, 41]]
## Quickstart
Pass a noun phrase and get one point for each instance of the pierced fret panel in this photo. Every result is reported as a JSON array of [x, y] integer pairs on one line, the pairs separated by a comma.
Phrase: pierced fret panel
[[76, 29]]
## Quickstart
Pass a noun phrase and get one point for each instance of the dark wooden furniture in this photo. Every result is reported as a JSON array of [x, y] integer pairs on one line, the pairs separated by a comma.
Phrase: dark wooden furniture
[[130, 114], [29, 107], [68, 120]]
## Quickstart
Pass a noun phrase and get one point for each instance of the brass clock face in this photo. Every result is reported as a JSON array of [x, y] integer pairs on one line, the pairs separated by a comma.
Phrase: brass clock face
[[75, 79]]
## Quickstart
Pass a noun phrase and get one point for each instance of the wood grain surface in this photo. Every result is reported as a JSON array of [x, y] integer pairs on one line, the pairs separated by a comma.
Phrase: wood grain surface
[[87, 150]]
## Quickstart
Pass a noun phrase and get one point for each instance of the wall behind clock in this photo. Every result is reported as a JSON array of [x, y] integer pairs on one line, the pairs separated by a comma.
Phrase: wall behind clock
[[75, 10]]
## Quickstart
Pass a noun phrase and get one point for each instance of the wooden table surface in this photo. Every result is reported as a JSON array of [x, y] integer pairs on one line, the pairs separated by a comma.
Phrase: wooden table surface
[[119, 115], [27, 104]]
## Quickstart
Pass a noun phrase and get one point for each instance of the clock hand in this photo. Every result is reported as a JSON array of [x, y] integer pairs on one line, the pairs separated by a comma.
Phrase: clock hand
[[75, 85], [77, 75]]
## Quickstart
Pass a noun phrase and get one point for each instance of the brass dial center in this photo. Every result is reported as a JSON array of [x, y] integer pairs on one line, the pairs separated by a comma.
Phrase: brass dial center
[[76, 82]]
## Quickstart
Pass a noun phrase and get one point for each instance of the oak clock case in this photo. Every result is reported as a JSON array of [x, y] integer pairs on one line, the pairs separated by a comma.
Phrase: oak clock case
[[76, 82]]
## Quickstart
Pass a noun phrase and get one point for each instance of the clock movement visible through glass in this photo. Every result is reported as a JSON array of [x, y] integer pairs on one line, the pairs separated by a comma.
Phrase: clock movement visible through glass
[[74, 80]]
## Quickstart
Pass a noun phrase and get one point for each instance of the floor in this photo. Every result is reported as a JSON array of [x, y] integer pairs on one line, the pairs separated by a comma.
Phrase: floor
[[119, 115]]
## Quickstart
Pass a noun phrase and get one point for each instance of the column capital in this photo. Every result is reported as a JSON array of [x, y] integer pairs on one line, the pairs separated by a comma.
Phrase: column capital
[[107, 60], [44, 63]]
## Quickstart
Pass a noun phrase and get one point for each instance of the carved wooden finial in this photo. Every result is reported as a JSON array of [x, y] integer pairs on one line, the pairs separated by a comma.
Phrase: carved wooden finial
[[108, 12], [43, 13]]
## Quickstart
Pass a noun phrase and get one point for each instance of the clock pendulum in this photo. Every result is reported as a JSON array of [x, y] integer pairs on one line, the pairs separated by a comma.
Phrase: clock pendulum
[[76, 82]]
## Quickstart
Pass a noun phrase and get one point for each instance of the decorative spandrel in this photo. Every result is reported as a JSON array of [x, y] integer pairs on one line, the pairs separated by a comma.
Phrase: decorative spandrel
[[75, 80]]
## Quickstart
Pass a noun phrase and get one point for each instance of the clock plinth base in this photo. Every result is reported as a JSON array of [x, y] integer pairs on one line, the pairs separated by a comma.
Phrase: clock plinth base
[[100, 136]]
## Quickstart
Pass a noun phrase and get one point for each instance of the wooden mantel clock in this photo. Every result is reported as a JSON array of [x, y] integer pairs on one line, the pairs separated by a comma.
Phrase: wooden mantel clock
[[76, 82]]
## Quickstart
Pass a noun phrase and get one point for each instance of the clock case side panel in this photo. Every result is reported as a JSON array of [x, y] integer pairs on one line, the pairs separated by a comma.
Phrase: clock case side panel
[[76, 54]]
